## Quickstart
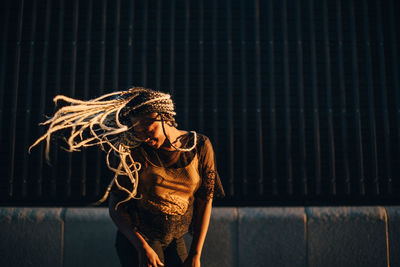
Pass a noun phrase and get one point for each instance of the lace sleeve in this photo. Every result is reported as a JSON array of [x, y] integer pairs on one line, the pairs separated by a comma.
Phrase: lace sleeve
[[211, 185]]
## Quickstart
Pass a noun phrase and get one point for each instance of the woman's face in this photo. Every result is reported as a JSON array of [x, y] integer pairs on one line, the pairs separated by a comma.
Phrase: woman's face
[[149, 129]]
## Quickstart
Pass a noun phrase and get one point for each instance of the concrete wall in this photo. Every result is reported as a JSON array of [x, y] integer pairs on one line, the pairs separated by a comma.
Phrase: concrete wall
[[268, 236]]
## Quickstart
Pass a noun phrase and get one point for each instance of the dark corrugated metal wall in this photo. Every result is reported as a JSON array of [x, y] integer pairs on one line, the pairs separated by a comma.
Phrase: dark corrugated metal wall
[[300, 98]]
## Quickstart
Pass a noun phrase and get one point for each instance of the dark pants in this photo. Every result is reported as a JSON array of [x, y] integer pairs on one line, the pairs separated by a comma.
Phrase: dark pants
[[172, 255]]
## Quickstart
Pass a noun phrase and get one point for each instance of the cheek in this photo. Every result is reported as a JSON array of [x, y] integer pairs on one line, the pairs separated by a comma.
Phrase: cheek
[[159, 134], [156, 132]]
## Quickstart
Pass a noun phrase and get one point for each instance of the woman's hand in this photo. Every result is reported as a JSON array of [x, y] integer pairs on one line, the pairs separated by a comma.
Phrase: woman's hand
[[192, 261], [148, 257]]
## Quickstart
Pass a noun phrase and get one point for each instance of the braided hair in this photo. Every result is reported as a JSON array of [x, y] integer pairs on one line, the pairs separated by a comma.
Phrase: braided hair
[[105, 122]]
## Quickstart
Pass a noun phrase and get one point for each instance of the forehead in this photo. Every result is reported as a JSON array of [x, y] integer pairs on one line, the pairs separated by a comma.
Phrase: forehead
[[144, 117]]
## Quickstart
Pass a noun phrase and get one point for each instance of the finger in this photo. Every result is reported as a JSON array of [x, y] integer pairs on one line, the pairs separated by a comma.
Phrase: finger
[[159, 262], [153, 263]]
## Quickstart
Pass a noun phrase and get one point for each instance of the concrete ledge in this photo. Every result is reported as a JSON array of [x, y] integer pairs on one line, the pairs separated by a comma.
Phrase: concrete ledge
[[347, 236], [393, 233], [272, 237], [220, 247], [89, 238], [264, 236], [31, 237]]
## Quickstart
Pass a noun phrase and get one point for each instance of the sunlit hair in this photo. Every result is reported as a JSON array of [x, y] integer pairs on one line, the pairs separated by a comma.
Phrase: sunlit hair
[[104, 121]]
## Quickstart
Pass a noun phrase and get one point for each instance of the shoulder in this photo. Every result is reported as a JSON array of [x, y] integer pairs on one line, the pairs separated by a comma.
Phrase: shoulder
[[201, 138], [204, 148], [203, 142]]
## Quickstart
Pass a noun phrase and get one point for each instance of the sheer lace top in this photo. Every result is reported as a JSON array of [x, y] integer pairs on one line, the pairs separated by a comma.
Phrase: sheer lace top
[[169, 183]]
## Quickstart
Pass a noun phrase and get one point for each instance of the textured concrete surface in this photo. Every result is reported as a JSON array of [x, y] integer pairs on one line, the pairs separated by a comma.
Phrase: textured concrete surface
[[89, 238], [31, 237], [265, 236], [221, 245], [346, 237], [393, 214], [272, 237]]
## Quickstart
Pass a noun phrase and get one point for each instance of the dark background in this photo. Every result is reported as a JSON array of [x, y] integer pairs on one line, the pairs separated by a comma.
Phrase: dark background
[[301, 99]]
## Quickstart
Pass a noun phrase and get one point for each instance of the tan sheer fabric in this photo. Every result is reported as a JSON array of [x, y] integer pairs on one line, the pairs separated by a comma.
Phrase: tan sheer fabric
[[169, 190], [170, 182]]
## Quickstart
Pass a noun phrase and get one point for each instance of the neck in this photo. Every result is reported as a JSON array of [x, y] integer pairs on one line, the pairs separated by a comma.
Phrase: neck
[[173, 135]]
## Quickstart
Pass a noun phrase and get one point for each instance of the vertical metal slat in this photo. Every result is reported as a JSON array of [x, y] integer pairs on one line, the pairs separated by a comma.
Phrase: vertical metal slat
[[172, 50], [357, 115], [28, 100], [300, 82], [186, 71], [215, 74], [72, 86], [383, 89], [315, 110], [343, 109], [396, 79], [74, 47], [115, 71], [260, 161], [244, 98], [201, 66], [286, 88], [44, 77], [102, 64], [99, 159], [331, 138], [58, 73], [229, 90], [14, 100], [272, 99], [60, 42], [158, 46], [131, 19], [144, 44], [3, 61], [371, 102], [86, 83]]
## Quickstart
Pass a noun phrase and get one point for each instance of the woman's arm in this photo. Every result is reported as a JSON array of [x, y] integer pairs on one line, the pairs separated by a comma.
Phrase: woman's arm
[[201, 223], [123, 222]]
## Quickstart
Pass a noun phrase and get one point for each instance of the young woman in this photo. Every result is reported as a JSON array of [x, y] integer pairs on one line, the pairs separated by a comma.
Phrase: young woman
[[166, 178]]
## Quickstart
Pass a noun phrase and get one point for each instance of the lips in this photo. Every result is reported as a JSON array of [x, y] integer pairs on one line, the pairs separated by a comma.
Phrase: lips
[[151, 142]]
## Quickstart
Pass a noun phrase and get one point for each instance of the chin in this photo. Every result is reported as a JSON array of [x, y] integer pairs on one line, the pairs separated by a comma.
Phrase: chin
[[153, 144], [157, 146]]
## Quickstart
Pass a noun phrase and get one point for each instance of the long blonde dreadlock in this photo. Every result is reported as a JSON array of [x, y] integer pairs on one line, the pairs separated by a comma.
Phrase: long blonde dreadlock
[[104, 122]]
